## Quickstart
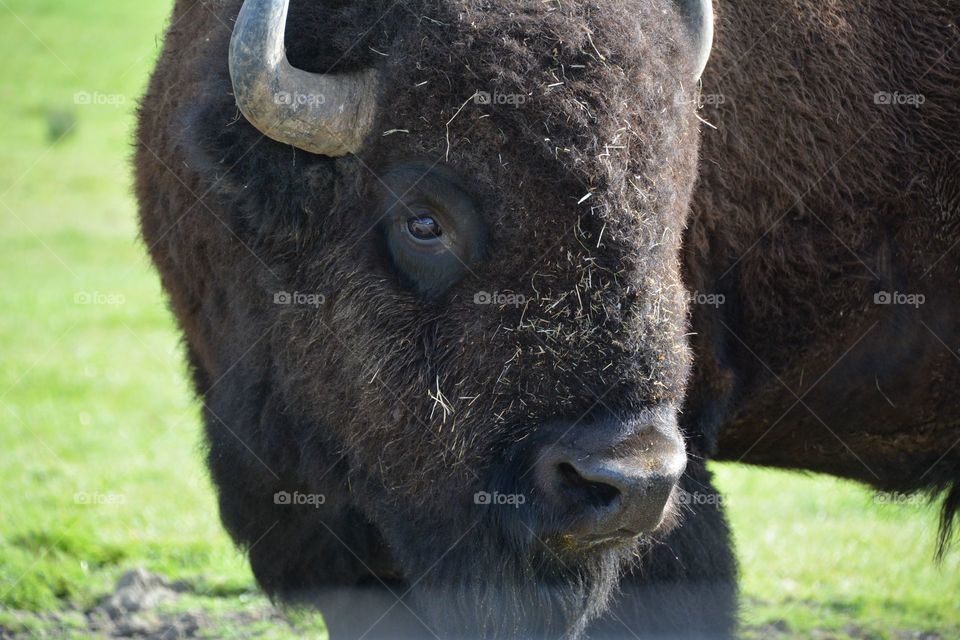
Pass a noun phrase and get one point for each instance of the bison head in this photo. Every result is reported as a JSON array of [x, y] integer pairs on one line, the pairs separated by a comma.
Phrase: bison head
[[438, 286]]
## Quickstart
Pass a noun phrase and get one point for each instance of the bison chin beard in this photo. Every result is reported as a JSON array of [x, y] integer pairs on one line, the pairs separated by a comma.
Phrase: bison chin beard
[[529, 595], [470, 577]]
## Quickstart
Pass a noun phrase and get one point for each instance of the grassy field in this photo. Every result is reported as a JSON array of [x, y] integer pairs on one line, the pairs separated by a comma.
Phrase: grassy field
[[100, 460]]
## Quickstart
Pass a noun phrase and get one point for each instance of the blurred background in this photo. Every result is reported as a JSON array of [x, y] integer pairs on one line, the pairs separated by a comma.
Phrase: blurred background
[[108, 523]]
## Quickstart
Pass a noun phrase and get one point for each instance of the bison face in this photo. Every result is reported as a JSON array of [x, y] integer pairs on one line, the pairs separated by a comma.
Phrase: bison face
[[468, 333]]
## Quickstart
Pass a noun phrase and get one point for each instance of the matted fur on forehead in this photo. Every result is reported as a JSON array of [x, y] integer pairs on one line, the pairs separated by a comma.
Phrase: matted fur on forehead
[[576, 85]]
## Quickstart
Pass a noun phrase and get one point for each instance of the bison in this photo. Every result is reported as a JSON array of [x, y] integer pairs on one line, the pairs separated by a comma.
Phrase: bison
[[827, 218], [466, 327]]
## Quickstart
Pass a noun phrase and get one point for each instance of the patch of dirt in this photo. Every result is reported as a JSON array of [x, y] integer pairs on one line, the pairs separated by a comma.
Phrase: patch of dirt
[[142, 606], [780, 630], [134, 610]]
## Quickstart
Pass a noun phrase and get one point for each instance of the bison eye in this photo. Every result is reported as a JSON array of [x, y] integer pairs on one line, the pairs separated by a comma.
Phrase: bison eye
[[432, 228], [424, 228]]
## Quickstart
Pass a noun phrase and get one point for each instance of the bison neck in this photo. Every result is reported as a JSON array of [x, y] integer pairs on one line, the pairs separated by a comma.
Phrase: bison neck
[[826, 219]]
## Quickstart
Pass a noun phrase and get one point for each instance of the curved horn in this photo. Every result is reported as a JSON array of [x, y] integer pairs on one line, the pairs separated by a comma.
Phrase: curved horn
[[698, 15], [326, 114]]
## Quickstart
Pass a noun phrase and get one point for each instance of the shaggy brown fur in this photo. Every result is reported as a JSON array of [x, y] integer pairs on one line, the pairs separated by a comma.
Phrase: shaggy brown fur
[[396, 407], [812, 199]]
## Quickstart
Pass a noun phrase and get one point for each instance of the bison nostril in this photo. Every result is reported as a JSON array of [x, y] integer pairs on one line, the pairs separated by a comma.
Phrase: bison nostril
[[583, 491], [613, 478]]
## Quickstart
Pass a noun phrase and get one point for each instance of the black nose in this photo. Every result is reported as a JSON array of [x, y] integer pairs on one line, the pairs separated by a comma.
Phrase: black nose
[[613, 477]]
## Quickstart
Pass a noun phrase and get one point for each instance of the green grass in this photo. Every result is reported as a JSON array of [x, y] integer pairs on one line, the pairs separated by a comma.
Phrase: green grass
[[823, 554], [100, 459], [100, 456]]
